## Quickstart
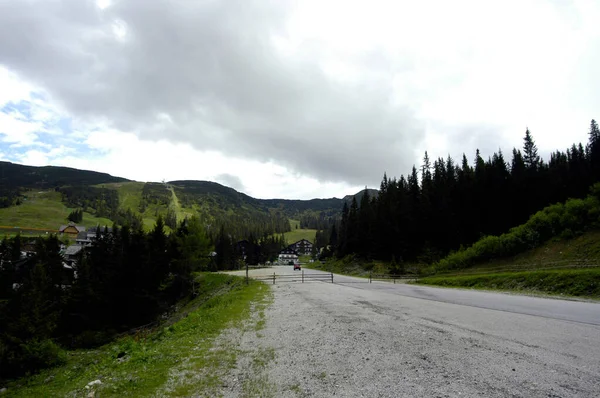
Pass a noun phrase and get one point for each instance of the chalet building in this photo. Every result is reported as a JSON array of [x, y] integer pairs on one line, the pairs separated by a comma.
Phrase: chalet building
[[71, 229], [70, 254], [85, 238], [302, 247], [287, 255]]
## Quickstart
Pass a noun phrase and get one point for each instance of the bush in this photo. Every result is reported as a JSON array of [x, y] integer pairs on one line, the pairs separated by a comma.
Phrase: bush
[[90, 338], [40, 354], [21, 358], [562, 220]]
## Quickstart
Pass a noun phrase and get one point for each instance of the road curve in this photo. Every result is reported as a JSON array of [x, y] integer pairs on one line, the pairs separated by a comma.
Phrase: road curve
[[568, 310], [358, 339]]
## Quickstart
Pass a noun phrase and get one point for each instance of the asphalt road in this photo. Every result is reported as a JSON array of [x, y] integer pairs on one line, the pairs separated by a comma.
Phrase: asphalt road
[[358, 339], [568, 310], [576, 311]]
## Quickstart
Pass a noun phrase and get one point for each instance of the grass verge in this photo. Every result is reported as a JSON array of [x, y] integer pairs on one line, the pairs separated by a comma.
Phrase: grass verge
[[576, 282], [175, 360]]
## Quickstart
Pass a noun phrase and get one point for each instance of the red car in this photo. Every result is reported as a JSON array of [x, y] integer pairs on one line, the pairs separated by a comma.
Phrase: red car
[[297, 267]]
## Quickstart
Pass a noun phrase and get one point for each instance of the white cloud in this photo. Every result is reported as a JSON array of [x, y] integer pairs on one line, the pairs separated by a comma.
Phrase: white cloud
[[34, 158], [13, 89], [299, 98], [17, 131], [125, 155]]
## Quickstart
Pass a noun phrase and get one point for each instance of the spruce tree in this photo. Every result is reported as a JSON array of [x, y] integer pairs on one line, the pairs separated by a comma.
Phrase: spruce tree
[[594, 150], [530, 152]]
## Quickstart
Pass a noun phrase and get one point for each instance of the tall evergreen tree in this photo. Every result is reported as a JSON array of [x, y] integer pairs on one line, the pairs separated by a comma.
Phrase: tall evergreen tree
[[366, 219], [594, 150], [352, 231], [530, 152], [342, 246]]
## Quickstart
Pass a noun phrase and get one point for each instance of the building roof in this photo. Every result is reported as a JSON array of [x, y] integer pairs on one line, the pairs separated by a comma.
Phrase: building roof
[[79, 228], [82, 235], [99, 229], [302, 240], [73, 250]]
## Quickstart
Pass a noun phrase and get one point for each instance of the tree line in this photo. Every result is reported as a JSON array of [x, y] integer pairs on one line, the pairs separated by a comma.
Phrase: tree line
[[320, 220], [102, 202], [233, 253], [443, 204], [127, 278]]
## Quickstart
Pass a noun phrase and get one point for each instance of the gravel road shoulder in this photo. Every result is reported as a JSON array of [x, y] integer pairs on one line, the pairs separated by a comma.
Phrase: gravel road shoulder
[[323, 340]]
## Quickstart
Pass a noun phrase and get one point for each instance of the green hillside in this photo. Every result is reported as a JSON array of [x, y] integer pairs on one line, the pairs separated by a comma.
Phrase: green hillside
[[557, 251], [43, 210], [130, 193], [42, 197], [297, 234], [580, 251]]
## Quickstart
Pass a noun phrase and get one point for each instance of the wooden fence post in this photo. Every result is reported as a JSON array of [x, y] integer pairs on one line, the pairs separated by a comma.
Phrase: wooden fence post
[[273, 277], [332, 277], [246, 273], [370, 276]]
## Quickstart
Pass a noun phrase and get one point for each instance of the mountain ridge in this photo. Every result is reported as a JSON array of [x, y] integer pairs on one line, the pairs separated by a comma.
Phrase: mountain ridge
[[106, 197], [6, 167]]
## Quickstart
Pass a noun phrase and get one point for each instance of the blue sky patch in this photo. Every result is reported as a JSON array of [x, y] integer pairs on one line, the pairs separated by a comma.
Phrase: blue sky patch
[[54, 132]]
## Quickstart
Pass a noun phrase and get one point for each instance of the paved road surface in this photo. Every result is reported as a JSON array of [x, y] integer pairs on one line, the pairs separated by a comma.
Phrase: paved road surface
[[354, 339], [576, 311]]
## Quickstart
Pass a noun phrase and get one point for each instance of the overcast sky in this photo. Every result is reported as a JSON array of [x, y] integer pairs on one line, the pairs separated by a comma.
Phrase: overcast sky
[[291, 99]]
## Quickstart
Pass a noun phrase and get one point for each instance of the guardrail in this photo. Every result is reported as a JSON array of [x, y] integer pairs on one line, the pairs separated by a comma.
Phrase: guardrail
[[302, 277], [260, 266], [392, 277]]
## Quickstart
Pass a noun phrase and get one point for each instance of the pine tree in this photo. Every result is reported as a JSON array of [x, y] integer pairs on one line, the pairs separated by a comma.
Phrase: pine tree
[[594, 150], [530, 152], [352, 230], [171, 219], [342, 246], [365, 231], [225, 252], [7, 270]]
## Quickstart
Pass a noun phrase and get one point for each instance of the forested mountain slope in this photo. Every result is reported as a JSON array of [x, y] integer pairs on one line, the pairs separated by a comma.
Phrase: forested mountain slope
[[52, 193]]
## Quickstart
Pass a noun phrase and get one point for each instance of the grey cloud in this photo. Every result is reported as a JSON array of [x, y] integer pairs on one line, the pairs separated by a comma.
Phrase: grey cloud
[[466, 139], [231, 181], [212, 68]]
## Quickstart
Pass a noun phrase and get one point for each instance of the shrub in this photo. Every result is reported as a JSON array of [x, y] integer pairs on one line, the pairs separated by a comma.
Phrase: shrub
[[20, 358], [564, 220]]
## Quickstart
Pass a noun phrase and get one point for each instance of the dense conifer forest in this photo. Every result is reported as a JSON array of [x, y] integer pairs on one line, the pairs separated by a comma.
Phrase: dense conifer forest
[[445, 204], [125, 279]]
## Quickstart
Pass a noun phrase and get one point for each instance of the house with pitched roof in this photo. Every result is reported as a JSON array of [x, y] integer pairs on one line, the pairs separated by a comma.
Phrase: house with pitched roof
[[71, 229], [302, 247]]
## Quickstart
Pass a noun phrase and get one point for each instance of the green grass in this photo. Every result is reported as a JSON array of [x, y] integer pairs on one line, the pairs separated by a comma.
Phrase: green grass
[[43, 209], [560, 221], [583, 282], [583, 250], [130, 194], [298, 234], [294, 224], [558, 267], [180, 211], [179, 359]]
